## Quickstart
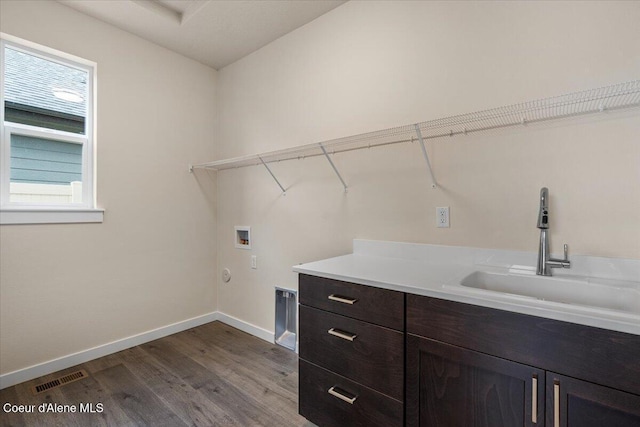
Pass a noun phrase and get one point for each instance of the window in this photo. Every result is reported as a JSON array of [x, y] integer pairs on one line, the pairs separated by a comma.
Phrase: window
[[47, 147]]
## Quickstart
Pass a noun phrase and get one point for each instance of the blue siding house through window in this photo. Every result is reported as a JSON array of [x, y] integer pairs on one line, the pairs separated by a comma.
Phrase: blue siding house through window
[[44, 161]]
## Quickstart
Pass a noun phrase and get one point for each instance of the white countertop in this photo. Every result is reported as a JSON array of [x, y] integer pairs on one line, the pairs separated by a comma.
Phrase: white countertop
[[436, 271]]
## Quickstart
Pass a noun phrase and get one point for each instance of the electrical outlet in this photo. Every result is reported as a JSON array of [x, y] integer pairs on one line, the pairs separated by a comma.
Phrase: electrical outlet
[[254, 261], [442, 217]]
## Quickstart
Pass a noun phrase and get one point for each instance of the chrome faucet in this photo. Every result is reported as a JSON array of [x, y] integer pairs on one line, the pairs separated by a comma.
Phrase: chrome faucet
[[545, 263]]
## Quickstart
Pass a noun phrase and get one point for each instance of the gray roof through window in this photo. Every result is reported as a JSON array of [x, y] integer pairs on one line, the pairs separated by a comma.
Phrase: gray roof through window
[[31, 80]]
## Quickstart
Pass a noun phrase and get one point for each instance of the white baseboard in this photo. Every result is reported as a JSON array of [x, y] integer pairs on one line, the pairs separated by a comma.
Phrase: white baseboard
[[35, 371], [254, 330]]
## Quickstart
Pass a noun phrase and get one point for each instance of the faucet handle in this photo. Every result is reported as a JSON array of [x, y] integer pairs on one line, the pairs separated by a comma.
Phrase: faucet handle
[[560, 263], [565, 263]]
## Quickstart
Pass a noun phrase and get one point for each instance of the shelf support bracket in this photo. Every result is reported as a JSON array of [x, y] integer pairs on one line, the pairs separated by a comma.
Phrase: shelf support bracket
[[426, 156], [284, 192], [333, 166]]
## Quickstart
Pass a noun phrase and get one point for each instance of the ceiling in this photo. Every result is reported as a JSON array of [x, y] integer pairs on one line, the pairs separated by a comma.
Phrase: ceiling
[[214, 32]]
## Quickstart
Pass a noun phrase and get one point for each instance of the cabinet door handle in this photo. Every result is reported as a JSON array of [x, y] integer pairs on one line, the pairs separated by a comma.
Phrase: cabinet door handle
[[534, 399], [342, 395], [342, 334], [556, 403], [344, 300]]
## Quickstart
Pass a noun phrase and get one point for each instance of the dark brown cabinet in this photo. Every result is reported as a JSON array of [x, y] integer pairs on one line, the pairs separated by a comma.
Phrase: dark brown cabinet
[[351, 354], [375, 357], [475, 366], [448, 386]]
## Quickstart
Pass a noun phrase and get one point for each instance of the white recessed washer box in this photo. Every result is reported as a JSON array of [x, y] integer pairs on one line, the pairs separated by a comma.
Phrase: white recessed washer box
[[243, 236]]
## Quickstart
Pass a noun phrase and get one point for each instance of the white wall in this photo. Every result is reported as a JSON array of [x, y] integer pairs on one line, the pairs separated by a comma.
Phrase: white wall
[[152, 262], [372, 65]]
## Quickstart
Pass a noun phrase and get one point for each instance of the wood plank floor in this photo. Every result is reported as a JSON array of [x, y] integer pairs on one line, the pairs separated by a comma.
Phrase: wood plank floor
[[212, 375]]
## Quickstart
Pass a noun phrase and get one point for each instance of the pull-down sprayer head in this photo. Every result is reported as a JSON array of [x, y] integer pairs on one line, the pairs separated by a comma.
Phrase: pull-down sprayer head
[[543, 214]]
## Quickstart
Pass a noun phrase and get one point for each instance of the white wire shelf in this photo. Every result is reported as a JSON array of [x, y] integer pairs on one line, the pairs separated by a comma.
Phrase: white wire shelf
[[608, 98]]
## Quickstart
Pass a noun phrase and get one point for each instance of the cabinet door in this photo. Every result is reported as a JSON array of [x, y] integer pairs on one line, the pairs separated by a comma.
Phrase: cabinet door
[[571, 402], [448, 386]]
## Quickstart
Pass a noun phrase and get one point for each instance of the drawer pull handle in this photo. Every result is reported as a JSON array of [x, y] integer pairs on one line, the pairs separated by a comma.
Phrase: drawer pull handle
[[342, 395], [342, 334], [534, 399], [343, 300], [556, 403]]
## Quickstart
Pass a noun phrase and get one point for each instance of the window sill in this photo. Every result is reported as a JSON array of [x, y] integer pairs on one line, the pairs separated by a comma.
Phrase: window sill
[[50, 216]]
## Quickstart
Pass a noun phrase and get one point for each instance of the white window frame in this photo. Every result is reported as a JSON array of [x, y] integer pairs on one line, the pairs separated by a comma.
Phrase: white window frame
[[39, 213]]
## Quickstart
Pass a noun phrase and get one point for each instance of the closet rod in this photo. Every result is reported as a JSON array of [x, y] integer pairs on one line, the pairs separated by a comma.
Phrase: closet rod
[[609, 98], [449, 133]]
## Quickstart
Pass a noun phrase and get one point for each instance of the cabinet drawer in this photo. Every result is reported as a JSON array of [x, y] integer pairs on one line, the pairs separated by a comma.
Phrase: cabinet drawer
[[369, 354], [367, 409], [380, 306]]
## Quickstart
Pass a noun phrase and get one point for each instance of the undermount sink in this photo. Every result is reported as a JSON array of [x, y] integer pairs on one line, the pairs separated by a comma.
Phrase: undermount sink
[[583, 291]]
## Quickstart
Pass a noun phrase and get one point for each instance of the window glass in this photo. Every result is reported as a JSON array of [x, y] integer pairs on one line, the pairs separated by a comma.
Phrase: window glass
[[45, 170], [44, 93], [47, 128]]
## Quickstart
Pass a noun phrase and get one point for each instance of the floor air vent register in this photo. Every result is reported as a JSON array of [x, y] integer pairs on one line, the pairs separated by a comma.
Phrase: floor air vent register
[[58, 382]]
